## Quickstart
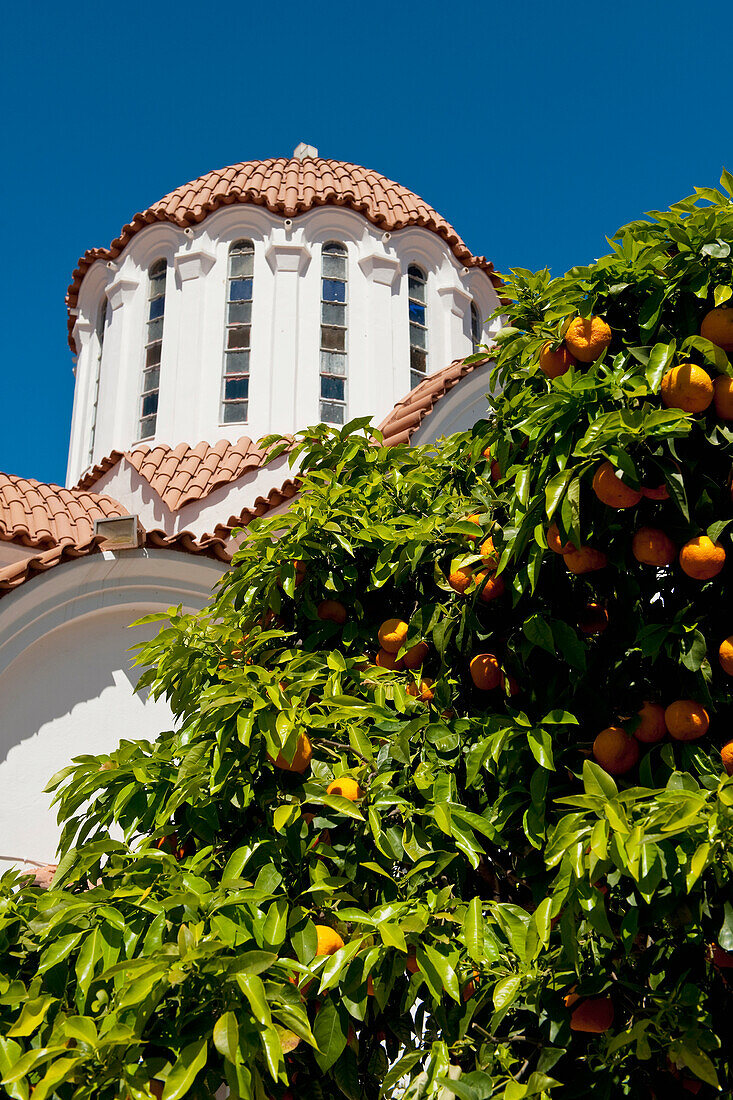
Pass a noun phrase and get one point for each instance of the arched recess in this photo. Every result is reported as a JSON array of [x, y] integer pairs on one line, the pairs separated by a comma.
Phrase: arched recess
[[67, 679]]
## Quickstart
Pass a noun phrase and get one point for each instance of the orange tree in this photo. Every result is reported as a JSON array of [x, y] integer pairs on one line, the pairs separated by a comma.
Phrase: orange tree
[[444, 811]]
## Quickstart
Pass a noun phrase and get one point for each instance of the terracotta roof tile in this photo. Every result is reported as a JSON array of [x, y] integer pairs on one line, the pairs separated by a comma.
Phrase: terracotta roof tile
[[287, 187], [408, 414], [183, 474], [35, 514]]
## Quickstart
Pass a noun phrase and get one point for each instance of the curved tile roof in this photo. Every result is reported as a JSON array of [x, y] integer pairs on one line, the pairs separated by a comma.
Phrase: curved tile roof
[[33, 513], [408, 414], [288, 187], [183, 474]]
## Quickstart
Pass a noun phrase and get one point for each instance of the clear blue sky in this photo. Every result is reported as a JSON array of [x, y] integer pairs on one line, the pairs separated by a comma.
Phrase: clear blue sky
[[535, 128]]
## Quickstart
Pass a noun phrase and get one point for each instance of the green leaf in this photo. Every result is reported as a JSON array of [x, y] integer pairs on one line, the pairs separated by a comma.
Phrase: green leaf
[[540, 744], [226, 1036], [284, 815], [34, 1011], [189, 1063], [473, 929], [505, 991], [698, 1062], [254, 990], [329, 1034], [538, 631], [58, 951], [597, 781], [660, 360], [725, 935], [438, 972], [722, 294]]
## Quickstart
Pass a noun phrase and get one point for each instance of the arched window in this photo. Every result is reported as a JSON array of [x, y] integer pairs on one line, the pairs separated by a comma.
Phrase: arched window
[[235, 395], [417, 285], [153, 346], [102, 322], [476, 327], [333, 333]]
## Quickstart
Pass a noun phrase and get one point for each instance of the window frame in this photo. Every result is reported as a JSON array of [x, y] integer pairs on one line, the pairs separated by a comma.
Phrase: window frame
[[241, 247], [151, 370], [415, 273], [477, 328], [334, 334]]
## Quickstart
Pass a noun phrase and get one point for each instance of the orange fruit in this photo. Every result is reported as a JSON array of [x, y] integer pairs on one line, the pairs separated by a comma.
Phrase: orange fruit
[[720, 958], [555, 363], [611, 490], [554, 541], [615, 751], [331, 611], [421, 690], [493, 588], [511, 683], [660, 493], [725, 655], [460, 578], [469, 988], [686, 720], [346, 787], [301, 760], [485, 671], [701, 558], [495, 467], [652, 726], [388, 660], [416, 656], [723, 396], [594, 1015], [370, 986], [593, 619], [687, 387], [585, 560], [726, 755], [329, 941], [411, 962], [300, 571], [651, 546], [392, 634], [489, 556], [587, 338], [717, 327]]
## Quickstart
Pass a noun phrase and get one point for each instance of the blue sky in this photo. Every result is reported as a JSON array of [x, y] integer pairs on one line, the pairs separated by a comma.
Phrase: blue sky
[[535, 128]]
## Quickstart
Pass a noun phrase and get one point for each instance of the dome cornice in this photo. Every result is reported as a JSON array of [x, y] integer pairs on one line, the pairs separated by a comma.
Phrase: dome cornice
[[288, 187]]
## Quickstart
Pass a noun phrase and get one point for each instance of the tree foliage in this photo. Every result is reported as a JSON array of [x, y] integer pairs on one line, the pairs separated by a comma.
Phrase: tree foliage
[[492, 877]]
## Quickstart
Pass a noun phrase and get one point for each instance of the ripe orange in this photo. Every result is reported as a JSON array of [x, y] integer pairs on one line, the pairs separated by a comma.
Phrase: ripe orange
[[332, 611], [717, 327], [421, 690], [615, 751], [595, 1015], [725, 655], [726, 755], [416, 656], [554, 541], [585, 560], [489, 556], [300, 571], [587, 338], [495, 467], [702, 559], [392, 634], [720, 958], [723, 395], [329, 940], [661, 492], [411, 961], [593, 619], [652, 727], [485, 671], [687, 387], [469, 988], [301, 760], [509, 682], [555, 363], [611, 490], [460, 579], [651, 546], [493, 588], [346, 787], [388, 661], [686, 720]]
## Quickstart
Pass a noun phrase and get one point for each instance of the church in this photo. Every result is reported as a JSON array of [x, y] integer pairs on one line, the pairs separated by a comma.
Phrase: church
[[256, 299]]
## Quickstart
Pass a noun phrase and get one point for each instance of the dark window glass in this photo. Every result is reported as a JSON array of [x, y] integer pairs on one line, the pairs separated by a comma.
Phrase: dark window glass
[[332, 413], [153, 348], [332, 314], [157, 307], [334, 290], [418, 360], [240, 288], [236, 389], [150, 404], [333, 362], [235, 413], [418, 318], [476, 327], [152, 355], [334, 322], [240, 313], [333, 389], [237, 362], [417, 313], [333, 339], [334, 266], [238, 337], [147, 427]]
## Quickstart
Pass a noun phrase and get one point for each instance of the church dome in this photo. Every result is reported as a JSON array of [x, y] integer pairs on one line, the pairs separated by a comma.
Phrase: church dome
[[288, 187]]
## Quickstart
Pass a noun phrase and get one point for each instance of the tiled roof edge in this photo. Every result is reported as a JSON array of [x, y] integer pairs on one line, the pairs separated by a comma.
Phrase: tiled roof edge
[[402, 422]]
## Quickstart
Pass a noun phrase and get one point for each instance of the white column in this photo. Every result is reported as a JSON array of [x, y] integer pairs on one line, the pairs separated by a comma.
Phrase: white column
[[289, 262], [118, 391], [456, 306], [183, 385], [85, 373], [379, 385]]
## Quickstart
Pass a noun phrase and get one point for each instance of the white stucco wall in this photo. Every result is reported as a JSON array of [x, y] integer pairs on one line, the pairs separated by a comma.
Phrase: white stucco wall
[[67, 683], [284, 363]]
